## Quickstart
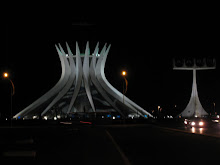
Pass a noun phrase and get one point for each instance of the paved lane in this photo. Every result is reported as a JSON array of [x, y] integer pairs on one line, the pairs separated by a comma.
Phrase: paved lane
[[211, 130], [116, 144], [161, 145], [70, 144]]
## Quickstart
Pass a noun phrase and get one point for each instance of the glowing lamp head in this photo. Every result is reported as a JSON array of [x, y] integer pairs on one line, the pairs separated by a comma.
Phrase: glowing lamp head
[[123, 73], [5, 75]]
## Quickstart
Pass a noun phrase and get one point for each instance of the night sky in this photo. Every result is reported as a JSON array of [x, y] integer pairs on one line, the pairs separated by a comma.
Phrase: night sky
[[144, 38]]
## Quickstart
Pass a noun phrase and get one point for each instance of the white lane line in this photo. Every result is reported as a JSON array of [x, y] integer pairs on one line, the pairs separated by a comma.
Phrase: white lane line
[[124, 157]]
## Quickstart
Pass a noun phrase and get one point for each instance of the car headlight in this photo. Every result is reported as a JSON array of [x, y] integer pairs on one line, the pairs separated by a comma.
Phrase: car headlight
[[201, 123], [193, 123]]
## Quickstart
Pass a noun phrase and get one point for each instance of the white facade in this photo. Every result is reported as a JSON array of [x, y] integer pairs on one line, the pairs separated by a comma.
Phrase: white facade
[[194, 107], [82, 87]]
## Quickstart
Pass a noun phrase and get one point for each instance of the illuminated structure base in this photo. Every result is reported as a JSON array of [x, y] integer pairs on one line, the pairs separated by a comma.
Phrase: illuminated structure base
[[82, 89], [194, 107]]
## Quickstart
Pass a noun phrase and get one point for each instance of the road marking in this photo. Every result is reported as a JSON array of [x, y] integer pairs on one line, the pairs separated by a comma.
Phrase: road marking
[[66, 123], [124, 157]]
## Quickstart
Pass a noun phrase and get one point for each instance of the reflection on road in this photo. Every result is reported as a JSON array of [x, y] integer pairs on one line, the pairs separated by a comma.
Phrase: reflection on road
[[197, 130], [211, 130]]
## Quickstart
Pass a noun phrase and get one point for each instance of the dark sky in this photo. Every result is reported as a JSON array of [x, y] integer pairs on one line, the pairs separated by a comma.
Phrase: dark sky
[[144, 38]]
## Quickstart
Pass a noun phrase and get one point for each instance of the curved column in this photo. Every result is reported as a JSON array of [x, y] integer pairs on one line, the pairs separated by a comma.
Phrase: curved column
[[114, 92], [86, 76], [96, 83], [137, 107], [70, 72], [105, 84], [78, 78], [52, 92]]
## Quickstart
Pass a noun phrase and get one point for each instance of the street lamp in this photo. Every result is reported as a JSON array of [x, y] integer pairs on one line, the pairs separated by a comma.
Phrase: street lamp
[[214, 107], [124, 73], [6, 76]]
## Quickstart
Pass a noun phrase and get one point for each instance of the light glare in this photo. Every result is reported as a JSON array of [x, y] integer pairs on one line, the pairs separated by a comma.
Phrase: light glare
[[124, 73], [5, 74], [201, 123]]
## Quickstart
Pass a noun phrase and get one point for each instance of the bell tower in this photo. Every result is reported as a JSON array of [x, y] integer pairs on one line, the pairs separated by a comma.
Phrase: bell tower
[[194, 107]]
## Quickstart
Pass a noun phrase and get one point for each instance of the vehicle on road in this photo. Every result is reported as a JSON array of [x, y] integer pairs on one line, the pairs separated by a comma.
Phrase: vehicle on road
[[196, 122]]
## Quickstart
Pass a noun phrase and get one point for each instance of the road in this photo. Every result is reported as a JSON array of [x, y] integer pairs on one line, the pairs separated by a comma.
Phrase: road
[[58, 144], [212, 129], [109, 144], [166, 145]]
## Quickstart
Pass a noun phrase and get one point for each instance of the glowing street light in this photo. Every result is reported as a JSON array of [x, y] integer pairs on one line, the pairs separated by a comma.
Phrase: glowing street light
[[6, 76], [124, 73]]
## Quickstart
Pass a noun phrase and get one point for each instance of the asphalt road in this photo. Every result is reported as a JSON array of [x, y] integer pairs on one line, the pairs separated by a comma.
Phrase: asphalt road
[[210, 129], [58, 144], [213, 130], [166, 145], [111, 144]]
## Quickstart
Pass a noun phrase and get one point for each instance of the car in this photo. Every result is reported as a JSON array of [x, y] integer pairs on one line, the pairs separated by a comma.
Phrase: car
[[195, 122], [215, 118]]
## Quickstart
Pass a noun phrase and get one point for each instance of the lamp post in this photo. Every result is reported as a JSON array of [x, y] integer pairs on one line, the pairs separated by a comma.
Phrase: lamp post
[[214, 107], [6, 76], [124, 73]]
